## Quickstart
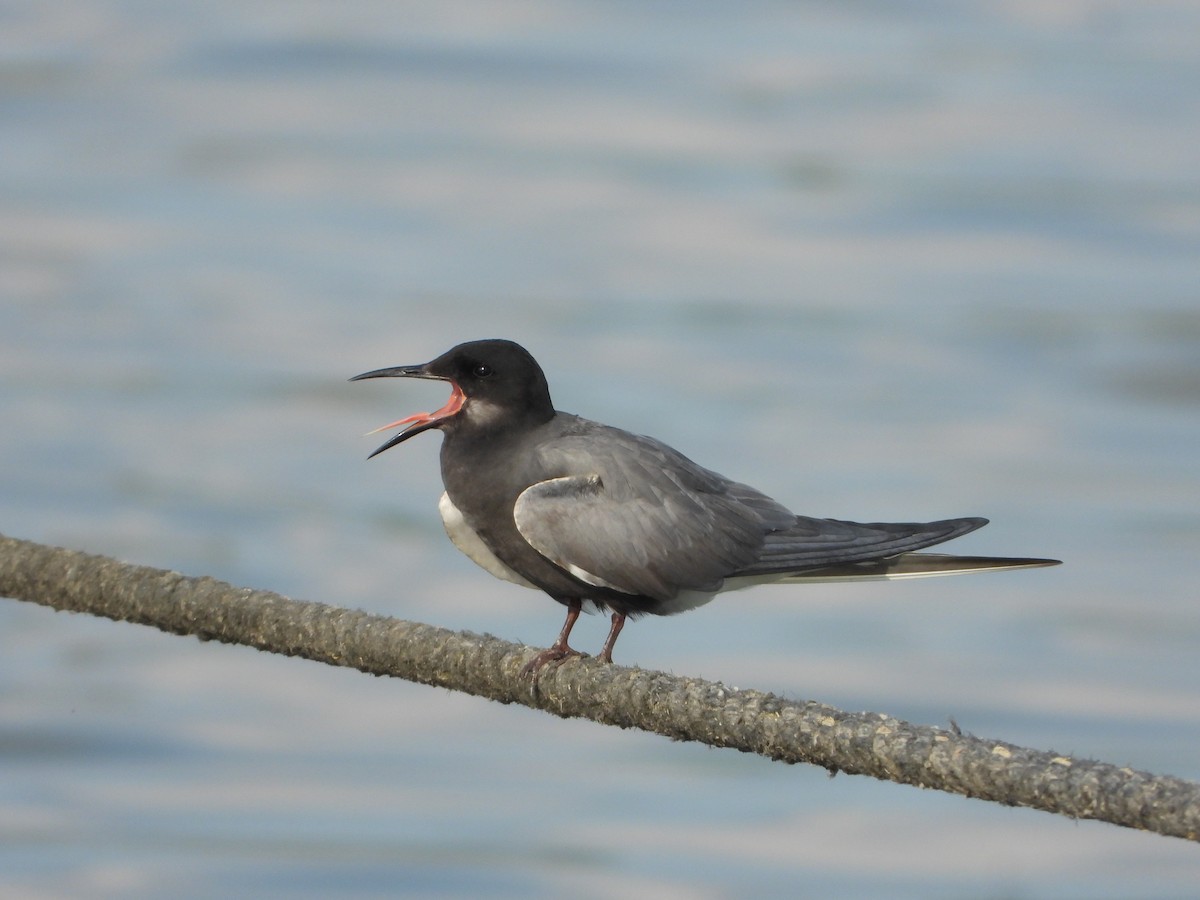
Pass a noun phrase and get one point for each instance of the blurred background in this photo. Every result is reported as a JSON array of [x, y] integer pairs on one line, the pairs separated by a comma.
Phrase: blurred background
[[883, 261]]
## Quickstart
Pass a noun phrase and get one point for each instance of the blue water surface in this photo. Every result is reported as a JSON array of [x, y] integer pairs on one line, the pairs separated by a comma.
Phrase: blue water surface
[[883, 261]]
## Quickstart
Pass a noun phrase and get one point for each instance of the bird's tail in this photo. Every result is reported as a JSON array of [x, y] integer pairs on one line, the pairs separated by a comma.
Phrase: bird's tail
[[916, 565]]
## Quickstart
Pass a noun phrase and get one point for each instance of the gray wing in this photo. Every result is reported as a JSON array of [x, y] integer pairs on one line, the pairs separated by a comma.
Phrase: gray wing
[[632, 514], [819, 543]]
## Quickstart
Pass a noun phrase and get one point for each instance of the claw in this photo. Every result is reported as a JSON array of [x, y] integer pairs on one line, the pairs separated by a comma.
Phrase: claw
[[552, 656]]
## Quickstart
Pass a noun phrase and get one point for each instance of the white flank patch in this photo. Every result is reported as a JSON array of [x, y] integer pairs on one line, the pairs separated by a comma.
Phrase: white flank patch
[[466, 540], [594, 580]]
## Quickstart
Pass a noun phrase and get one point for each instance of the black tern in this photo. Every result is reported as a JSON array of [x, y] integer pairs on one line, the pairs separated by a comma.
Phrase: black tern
[[603, 519]]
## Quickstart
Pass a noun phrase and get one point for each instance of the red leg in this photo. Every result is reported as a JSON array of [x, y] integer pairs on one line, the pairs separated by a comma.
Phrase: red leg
[[560, 649], [618, 622]]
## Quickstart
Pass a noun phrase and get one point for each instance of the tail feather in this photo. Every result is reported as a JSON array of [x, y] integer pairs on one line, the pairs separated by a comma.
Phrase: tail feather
[[916, 565]]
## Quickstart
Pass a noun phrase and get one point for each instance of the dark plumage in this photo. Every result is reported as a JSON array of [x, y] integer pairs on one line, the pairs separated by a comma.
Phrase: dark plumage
[[593, 514]]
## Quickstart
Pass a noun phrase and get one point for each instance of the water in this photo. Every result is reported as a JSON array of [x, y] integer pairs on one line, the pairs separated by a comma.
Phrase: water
[[880, 261]]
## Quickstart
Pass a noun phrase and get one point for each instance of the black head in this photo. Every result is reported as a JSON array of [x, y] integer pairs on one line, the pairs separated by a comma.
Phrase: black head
[[496, 384]]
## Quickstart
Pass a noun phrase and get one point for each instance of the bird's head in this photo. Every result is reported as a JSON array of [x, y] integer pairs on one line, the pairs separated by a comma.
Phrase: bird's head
[[494, 384]]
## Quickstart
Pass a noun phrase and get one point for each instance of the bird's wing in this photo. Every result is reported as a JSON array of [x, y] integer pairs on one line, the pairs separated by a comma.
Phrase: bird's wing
[[631, 514], [634, 515], [820, 543]]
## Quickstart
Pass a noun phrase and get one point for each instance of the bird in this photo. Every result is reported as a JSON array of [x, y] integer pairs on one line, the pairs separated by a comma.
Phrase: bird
[[605, 520]]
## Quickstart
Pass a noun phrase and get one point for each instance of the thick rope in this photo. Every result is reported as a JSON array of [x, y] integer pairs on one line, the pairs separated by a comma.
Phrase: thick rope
[[685, 709]]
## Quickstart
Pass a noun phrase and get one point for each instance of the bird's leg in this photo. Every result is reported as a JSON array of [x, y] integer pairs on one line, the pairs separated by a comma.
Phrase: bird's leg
[[618, 622], [559, 650]]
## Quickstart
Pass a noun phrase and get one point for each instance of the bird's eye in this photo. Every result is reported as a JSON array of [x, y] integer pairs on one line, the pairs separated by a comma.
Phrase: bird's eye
[[483, 370]]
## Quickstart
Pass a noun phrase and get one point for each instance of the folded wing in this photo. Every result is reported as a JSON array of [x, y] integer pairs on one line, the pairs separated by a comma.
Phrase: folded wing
[[633, 515]]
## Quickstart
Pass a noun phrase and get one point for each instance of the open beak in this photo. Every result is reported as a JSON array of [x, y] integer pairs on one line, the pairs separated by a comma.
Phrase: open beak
[[420, 421]]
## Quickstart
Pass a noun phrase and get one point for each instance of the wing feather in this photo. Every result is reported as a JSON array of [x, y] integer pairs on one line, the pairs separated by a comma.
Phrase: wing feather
[[639, 517], [631, 514], [817, 543]]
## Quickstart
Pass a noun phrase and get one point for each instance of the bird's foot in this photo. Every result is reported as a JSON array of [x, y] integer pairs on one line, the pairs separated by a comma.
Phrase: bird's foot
[[555, 655]]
